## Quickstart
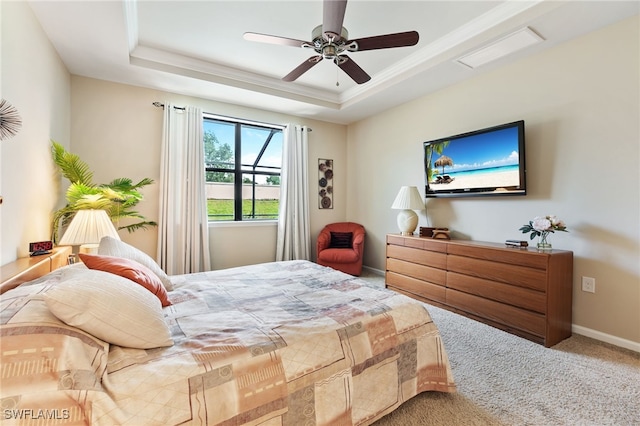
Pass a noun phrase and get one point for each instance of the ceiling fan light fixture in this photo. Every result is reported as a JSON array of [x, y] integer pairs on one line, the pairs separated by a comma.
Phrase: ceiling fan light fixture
[[329, 51], [507, 45]]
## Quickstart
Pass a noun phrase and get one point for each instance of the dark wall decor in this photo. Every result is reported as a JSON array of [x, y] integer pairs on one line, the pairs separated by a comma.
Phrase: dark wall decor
[[10, 121], [325, 183]]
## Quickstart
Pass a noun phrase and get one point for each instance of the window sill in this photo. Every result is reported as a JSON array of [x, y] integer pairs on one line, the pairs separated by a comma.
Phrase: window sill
[[242, 224]]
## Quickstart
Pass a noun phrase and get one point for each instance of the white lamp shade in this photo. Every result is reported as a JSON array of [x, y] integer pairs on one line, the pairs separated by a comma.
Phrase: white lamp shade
[[408, 198], [88, 227]]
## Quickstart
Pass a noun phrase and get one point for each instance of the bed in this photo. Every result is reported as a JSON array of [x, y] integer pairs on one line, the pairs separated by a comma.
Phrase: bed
[[283, 343]]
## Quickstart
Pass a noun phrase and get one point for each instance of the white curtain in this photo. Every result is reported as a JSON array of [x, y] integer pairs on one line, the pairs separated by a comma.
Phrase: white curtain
[[294, 237], [183, 240]]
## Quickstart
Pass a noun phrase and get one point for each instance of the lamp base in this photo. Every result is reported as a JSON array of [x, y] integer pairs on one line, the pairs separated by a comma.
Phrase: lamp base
[[407, 221], [89, 248]]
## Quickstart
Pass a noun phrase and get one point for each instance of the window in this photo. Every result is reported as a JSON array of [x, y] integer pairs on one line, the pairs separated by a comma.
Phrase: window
[[243, 162]]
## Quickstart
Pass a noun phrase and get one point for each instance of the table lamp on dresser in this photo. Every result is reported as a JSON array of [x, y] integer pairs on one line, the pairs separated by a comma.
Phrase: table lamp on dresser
[[408, 200]]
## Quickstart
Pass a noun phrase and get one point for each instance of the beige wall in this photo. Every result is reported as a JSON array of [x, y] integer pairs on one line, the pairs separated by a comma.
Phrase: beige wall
[[36, 82], [117, 131], [580, 103]]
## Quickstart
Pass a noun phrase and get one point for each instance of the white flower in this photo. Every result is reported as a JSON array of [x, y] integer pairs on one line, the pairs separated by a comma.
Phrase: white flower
[[541, 224], [555, 221]]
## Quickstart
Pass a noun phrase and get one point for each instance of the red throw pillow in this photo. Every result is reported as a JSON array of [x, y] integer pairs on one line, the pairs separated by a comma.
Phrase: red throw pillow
[[130, 269]]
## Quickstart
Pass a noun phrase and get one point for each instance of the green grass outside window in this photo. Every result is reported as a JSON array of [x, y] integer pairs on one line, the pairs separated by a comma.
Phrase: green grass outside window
[[222, 210]]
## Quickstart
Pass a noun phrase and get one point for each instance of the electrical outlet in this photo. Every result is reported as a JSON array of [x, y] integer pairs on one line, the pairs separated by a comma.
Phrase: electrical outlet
[[589, 284]]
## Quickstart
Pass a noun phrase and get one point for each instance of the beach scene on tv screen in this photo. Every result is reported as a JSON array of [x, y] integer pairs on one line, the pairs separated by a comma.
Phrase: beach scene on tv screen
[[485, 160]]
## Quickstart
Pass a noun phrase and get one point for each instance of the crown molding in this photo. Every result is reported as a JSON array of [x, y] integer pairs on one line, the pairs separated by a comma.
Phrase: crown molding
[[130, 10], [162, 60]]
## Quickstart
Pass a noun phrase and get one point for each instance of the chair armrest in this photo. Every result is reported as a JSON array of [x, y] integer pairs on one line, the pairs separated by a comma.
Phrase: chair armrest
[[358, 242], [324, 240]]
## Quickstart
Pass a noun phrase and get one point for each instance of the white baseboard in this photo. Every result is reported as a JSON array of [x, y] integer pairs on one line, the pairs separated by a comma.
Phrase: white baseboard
[[604, 337], [373, 270]]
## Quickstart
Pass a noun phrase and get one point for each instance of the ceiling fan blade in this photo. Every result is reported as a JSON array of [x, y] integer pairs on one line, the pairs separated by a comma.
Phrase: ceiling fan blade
[[353, 70], [284, 41], [302, 68], [332, 18], [409, 38]]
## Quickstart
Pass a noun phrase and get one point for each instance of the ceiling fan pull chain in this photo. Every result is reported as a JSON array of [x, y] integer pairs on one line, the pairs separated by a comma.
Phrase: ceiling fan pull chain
[[337, 77]]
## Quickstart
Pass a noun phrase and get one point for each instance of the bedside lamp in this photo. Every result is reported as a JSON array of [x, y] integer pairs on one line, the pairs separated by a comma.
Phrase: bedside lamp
[[408, 200], [87, 229]]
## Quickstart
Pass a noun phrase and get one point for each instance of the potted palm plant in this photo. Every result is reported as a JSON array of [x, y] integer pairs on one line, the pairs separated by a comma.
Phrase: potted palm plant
[[117, 198]]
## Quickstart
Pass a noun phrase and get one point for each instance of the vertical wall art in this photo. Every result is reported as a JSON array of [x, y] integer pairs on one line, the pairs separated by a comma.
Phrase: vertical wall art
[[325, 183]]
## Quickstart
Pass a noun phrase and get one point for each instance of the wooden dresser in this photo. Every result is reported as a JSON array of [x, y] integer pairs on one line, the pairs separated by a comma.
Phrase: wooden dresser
[[27, 268], [522, 291]]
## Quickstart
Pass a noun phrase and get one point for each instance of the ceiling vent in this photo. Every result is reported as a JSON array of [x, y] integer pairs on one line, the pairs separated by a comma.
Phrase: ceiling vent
[[507, 45]]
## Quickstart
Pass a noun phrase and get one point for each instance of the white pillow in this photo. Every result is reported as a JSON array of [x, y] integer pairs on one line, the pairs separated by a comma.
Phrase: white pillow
[[109, 246], [53, 277], [109, 307]]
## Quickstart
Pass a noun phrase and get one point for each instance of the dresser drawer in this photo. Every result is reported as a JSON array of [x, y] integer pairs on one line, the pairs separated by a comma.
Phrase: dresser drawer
[[514, 256], [500, 292], [415, 286], [419, 243], [520, 276], [423, 257], [415, 270], [521, 319]]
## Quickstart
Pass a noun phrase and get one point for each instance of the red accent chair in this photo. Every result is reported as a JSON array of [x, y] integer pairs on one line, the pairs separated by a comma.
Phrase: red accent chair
[[341, 246]]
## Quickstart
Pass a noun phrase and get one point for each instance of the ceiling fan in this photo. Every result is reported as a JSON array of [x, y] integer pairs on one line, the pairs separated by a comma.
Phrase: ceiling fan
[[331, 40]]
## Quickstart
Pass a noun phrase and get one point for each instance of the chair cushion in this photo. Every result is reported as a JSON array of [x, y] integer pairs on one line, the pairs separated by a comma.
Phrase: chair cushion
[[340, 255], [341, 239]]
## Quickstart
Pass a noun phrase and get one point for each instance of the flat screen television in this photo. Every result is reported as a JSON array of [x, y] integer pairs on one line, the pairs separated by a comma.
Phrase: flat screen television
[[486, 162]]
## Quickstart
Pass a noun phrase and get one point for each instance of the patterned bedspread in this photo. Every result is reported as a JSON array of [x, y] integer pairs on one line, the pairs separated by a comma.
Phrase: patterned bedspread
[[287, 343]]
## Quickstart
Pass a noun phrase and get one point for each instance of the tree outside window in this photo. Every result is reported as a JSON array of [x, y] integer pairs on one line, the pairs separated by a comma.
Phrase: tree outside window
[[243, 162]]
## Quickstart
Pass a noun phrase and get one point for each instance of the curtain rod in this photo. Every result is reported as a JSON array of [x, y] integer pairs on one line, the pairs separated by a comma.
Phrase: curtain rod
[[161, 105]]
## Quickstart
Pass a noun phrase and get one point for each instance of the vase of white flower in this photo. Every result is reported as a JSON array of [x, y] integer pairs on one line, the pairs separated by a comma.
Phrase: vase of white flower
[[543, 244], [542, 226]]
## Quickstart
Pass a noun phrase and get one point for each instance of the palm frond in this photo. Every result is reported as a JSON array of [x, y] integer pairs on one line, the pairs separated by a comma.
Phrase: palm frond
[[92, 202], [117, 197], [117, 215], [143, 182], [113, 194], [77, 191], [140, 225], [120, 184], [71, 166], [61, 218], [126, 184]]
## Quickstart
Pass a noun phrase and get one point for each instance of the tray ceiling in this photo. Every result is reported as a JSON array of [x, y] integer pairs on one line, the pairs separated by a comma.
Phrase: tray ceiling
[[197, 48]]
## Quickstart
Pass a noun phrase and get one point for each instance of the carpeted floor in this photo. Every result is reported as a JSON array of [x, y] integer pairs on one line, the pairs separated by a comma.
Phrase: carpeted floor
[[506, 380]]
